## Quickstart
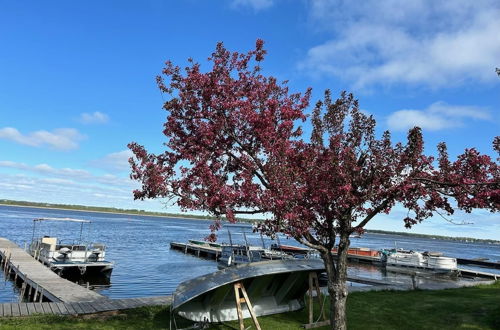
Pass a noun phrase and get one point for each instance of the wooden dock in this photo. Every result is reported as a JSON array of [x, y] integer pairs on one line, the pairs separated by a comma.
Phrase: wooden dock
[[108, 305], [37, 282], [209, 252], [202, 251], [478, 262], [50, 294]]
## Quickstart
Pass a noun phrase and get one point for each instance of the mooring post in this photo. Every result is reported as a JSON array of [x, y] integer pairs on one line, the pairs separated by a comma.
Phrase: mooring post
[[23, 291], [30, 290], [16, 271], [36, 292], [41, 296]]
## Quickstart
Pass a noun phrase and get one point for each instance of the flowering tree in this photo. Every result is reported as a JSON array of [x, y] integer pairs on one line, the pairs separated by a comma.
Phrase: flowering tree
[[234, 147]]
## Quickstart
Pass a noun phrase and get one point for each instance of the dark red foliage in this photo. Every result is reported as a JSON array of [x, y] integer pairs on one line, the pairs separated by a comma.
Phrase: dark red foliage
[[234, 147]]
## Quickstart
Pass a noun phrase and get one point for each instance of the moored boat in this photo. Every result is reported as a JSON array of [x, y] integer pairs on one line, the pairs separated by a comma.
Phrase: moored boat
[[71, 259], [421, 261]]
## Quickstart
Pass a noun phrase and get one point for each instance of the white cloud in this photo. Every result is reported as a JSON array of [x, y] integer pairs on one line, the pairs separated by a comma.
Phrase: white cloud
[[94, 118], [255, 4], [59, 139], [116, 161], [431, 43], [437, 116], [74, 175], [29, 188]]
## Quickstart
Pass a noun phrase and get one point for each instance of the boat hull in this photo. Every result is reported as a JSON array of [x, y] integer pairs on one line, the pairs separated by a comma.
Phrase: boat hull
[[276, 286]]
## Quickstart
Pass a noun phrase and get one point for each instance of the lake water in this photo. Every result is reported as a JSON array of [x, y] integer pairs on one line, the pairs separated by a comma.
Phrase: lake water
[[145, 265]]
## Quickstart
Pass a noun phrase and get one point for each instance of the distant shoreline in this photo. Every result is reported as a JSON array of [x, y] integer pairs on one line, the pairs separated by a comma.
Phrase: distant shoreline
[[110, 210], [145, 213]]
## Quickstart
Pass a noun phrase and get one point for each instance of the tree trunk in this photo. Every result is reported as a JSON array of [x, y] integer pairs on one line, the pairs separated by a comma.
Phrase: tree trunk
[[337, 287]]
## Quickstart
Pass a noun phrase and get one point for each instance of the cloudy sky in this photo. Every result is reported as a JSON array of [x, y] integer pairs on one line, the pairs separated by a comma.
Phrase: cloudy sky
[[77, 81]]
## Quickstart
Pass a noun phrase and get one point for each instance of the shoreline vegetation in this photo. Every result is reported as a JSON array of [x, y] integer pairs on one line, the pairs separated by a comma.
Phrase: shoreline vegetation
[[100, 209], [463, 308]]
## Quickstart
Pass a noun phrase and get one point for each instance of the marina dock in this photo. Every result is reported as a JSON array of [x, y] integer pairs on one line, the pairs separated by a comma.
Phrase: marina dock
[[51, 294], [209, 252], [106, 305], [38, 281]]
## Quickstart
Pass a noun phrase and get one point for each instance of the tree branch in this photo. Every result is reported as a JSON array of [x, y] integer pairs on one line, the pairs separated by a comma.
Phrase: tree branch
[[377, 210]]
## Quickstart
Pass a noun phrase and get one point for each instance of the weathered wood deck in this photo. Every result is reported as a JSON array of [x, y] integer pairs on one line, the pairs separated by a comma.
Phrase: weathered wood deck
[[78, 308], [53, 294], [23, 267]]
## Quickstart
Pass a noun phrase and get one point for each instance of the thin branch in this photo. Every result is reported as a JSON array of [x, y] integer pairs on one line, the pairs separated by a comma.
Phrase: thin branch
[[451, 221], [377, 210]]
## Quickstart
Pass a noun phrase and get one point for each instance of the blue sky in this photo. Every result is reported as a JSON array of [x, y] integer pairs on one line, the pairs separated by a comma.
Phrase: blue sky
[[77, 81]]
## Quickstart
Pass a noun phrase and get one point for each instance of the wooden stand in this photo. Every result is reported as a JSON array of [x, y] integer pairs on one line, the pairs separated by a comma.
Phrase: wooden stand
[[314, 285], [237, 287]]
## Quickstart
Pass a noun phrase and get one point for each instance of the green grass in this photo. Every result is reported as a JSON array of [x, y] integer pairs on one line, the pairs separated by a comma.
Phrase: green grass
[[466, 308]]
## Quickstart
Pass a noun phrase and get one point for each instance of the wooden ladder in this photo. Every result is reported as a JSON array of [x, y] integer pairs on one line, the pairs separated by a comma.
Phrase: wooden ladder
[[314, 286], [237, 287]]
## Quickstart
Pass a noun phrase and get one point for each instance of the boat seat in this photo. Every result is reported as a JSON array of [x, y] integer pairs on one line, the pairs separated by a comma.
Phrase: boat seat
[[50, 242]]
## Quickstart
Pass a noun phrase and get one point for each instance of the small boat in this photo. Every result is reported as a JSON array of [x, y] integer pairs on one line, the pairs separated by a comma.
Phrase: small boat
[[359, 251], [204, 243], [291, 249], [236, 254], [70, 259], [276, 286], [398, 258]]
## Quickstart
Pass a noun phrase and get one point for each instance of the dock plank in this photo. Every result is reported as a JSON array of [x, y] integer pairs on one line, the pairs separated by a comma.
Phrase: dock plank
[[7, 310], [53, 308], [38, 308], [23, 309], [87, 308], [78, 309], [15, 309], [70, 309], [31, 308]]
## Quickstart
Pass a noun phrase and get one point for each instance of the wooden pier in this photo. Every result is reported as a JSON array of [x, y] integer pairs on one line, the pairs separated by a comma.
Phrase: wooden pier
[[50, 294], [37, 282], [202, 251], [478, 262], [106, 305]]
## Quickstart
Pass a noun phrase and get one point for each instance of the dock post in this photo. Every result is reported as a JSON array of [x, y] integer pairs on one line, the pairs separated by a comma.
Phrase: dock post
[[23, 291], [15, 276], [41, 296], [36, 292]]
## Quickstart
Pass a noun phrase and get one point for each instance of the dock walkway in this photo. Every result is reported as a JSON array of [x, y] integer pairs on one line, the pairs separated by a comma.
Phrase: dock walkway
[[39, 279], [79, 308], [52, 294]]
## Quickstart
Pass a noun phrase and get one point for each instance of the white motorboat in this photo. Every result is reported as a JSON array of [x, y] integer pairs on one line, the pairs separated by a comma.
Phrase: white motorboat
[[70, 259], [416, 260]]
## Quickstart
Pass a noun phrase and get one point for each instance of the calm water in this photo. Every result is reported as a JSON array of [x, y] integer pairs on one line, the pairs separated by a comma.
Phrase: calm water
[[145, 265]]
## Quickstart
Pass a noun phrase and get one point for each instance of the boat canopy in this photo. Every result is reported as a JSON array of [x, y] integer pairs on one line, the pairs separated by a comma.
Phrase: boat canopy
[[62, 219]]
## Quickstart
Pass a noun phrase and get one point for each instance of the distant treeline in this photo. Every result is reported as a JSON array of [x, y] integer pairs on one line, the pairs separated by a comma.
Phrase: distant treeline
[[205, 217], [101, 209], [449, 238]]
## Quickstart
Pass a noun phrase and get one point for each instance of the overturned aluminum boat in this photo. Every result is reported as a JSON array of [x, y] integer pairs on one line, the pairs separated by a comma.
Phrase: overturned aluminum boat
[[275, 286]]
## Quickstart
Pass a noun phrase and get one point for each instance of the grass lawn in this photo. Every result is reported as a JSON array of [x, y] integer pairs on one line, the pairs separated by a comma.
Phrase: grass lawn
[[466, 308]]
